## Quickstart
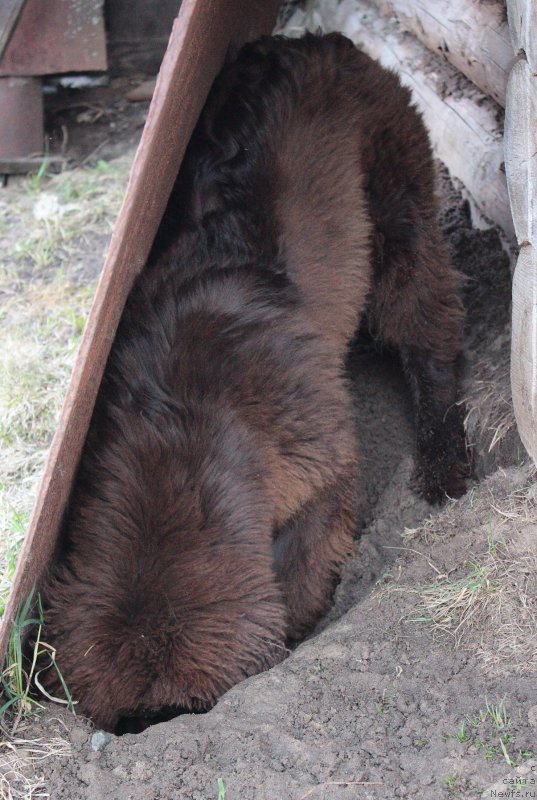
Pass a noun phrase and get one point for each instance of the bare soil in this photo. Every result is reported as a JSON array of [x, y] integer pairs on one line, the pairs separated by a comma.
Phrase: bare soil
[[372, 704]]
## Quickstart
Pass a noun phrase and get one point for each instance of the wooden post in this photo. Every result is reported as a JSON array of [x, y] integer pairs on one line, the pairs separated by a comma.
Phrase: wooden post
[[521, 171]]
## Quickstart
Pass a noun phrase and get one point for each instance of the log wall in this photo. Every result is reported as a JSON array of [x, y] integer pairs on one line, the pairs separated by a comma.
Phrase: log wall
[[521, 170], [470, 34]]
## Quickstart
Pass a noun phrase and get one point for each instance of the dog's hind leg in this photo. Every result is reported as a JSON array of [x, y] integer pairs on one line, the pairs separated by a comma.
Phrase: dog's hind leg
[[309, 551], [416, 307]]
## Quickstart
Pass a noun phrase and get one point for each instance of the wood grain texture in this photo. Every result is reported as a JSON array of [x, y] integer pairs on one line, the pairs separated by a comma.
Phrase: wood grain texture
[[198, 43], [471, 35], [522, 16], [463, 124], [521, 150], [521, 170], [524, 348]]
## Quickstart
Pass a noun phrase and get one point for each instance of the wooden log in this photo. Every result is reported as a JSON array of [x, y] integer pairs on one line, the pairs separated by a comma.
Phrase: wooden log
[[471, 35], [521, 151], [521, 170], [524, 348], [465, 127], [522, 15]]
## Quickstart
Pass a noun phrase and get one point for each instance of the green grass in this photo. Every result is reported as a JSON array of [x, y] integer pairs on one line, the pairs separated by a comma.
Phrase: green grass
[[490, 731], [19, 674], [54, 234], [221, 789], [450, 782]]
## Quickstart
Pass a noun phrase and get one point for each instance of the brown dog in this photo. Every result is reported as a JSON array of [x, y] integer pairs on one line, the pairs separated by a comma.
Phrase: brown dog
[[215, 500]]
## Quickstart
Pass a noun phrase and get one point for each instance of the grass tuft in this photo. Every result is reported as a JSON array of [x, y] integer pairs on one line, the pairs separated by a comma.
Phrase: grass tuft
[[487, 602], [490, 416], [490, 731], [18, 678]]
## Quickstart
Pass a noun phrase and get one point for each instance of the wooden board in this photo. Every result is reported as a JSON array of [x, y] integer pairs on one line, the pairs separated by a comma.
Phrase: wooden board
[[470, 34], [10, 11], [522, 15], [524, 348], [200, 37], [521, 151], [521, 170]]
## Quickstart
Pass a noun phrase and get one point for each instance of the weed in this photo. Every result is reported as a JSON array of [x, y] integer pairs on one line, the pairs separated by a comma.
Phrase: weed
[[221, 789], [498, 715], [476, 719], [16, 679], [419, 743], [489, 404], [49, 225], [35, 180], [450, 782], [490, 732], [462, 735], [489, 606]]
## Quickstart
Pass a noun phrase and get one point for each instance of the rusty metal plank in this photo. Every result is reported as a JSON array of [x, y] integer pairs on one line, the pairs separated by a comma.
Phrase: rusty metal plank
[[199, 40], [21, 120], [10, 11], [57, 36]]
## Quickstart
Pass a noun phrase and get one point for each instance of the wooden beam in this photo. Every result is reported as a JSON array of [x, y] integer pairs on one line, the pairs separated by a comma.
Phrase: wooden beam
[[470, 34], [521, 150], [524, 348], [464, 126], [521, 170], [19, 166], [522, 15]]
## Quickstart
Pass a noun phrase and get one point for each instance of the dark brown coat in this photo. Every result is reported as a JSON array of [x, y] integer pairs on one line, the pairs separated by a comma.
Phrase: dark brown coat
[[215, 499]]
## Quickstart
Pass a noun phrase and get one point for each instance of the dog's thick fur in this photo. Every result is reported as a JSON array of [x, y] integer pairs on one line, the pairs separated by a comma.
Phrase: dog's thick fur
[[215, 501]]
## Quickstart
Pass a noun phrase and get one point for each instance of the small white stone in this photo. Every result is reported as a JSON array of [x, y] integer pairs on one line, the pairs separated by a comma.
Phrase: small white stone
[[99, 740]]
